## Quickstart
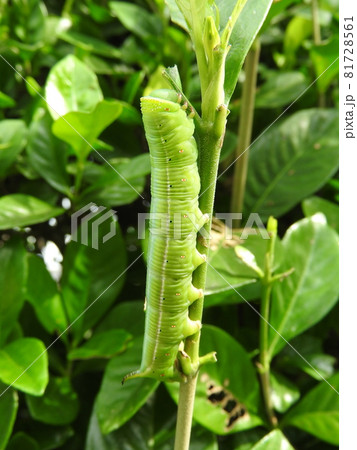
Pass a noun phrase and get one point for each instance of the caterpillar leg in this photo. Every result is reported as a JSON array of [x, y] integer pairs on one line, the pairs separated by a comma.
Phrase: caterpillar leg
[[198, 259], [193, 294], [203, 219], [187, 367], [185, 361], [191, 327]]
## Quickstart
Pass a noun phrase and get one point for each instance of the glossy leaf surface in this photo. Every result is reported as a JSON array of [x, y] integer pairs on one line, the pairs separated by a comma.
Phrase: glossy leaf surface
[[20, 210], [305, 296], [24, 365]]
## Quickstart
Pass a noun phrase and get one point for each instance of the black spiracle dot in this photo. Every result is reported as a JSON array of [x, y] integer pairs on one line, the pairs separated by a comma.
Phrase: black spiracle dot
[[170, 186], [169, 159]]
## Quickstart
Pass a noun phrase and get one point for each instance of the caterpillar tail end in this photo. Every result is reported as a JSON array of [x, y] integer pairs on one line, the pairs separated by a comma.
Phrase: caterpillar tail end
[[131, 375]]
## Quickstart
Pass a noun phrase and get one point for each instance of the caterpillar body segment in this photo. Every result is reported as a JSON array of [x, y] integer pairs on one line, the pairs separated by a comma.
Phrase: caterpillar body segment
[[174, 222]]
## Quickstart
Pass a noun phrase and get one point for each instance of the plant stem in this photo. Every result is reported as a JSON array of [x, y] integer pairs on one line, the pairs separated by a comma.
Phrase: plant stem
[[264, 366], [264, 360], [67, 8], [317, 41], [184, 414], [245, 128], [316, 22], [79, 175]]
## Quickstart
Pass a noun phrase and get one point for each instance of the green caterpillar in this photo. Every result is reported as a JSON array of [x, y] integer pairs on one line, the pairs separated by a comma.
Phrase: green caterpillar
[[175, 185]]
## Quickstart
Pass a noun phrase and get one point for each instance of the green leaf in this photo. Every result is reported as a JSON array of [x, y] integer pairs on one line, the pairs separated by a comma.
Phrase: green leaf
[[127, 315], [226, 269], [12, 141], [136, 19], [308, 294], [135, 434], [30, 21], [103, 67], [200, 439], [116, 404], [71, 86], [158, 81], [245, 440], [173, 76], [230, 383], [176, 15], [273, 441], [120, 184], [277, 8], [51, 437], [298, 29], [317, 412], [12, 284], [229, 266], [229, 145], [57, 406], [53, 27], [194, 14], [24, 365], [244, 32], [277, 174], [139, 434], [81, 129], [47, 155], [102, 345], [284, 393], [90, 44], [280, 89], [21, 210], [8, 410], [43, 294], [6, 101], [248, 258], [132, 86], [313, 205], [92, 278], [33, 88], [324, 60], [22, 441], [129, 114], [316, 363]]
